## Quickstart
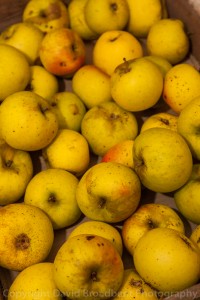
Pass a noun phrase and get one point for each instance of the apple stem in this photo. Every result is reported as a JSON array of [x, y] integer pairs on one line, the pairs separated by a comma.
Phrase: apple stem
[[94, 276], [8, 163]]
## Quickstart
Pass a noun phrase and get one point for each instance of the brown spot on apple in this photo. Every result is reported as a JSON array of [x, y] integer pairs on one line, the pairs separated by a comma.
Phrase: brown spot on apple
[[165, 121], [134, 282], [90, 237], [22, 241], [114, 6]]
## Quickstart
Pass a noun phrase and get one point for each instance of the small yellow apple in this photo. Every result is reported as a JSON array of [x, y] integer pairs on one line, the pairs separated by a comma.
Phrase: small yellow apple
[[69, 109], [98, 89], [14, 71], [161, 119], [26, 236], [161, 62], [108, 192], [35, 281], [69, 151], [167, 260], [87, 267], [147, 217], [113, 47], [103, 229]]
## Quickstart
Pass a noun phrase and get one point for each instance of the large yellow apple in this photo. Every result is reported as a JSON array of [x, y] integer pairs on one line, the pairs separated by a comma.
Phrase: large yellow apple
[[16, 170], [14, 71], [167, 260], [62, 52], [77, 22], [108, 192], [181, 85], [47, 15], [27, 121], [136, 84], [25, 37], [98, 89], [143, 14], [188, 126], [103, 229], [107, 124], [110, 15], [69, 109], [69, 151], [26, 236], [35, 281], [113, 47], [88, 267], [160, 166], [147, 217], [161, 119]]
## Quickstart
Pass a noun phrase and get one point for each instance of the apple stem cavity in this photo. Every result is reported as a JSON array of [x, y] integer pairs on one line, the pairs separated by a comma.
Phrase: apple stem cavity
[[151, 224], [8, 163], [22, 241], [52, 198], [114, 7], [94, 276], [102, 203]]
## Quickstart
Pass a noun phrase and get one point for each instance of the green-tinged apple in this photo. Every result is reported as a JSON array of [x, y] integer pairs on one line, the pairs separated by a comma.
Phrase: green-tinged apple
[[161, 119], [77, 20], [188, 126], [26, 236], [167, 260], [181, 85], [87, 267], [69, 109], [69, 151], [107, 124], [187, 197], [42, 82], [160, 166], [168, 38], [122, 153], [147, 217], [110, 15], [15, 69], [128, 81], [62, 52], [195, 235], [16, 170], [108, 192], [97, 91], [47, 15], [25, 37], [113, 47], [161, 62], [27, 121], [134, 287], [107, 231], [54, 191]]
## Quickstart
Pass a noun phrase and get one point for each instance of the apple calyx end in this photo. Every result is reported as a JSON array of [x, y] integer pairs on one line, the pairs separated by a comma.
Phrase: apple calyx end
[[22, 241], [52, 199], [93, 276]]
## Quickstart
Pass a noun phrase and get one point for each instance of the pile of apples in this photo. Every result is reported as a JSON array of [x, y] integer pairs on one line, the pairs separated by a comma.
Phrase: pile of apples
[[99, 108]]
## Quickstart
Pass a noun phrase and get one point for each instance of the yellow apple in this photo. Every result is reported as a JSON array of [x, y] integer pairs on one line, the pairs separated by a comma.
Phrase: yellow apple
[[168, 38], [47, 15], [107, 231], [167, 260], [147, 217], [134, 287], [77, 22], [69, 151], [163, 160], [188, 126], [16, 170], [136, 84], [87, 267], [122, 153], [110, 15], [187, 197], [113, 47], [92, 85], [15, 69], [107, 124], [161, 62], [25, 37], [35, 281], [143, 14], [195, 235], [54, 191], [69, 109], [161, 119], [42, 82], [108, 192], [181, 85], [26, 236], [27, 121], [62, 52]]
